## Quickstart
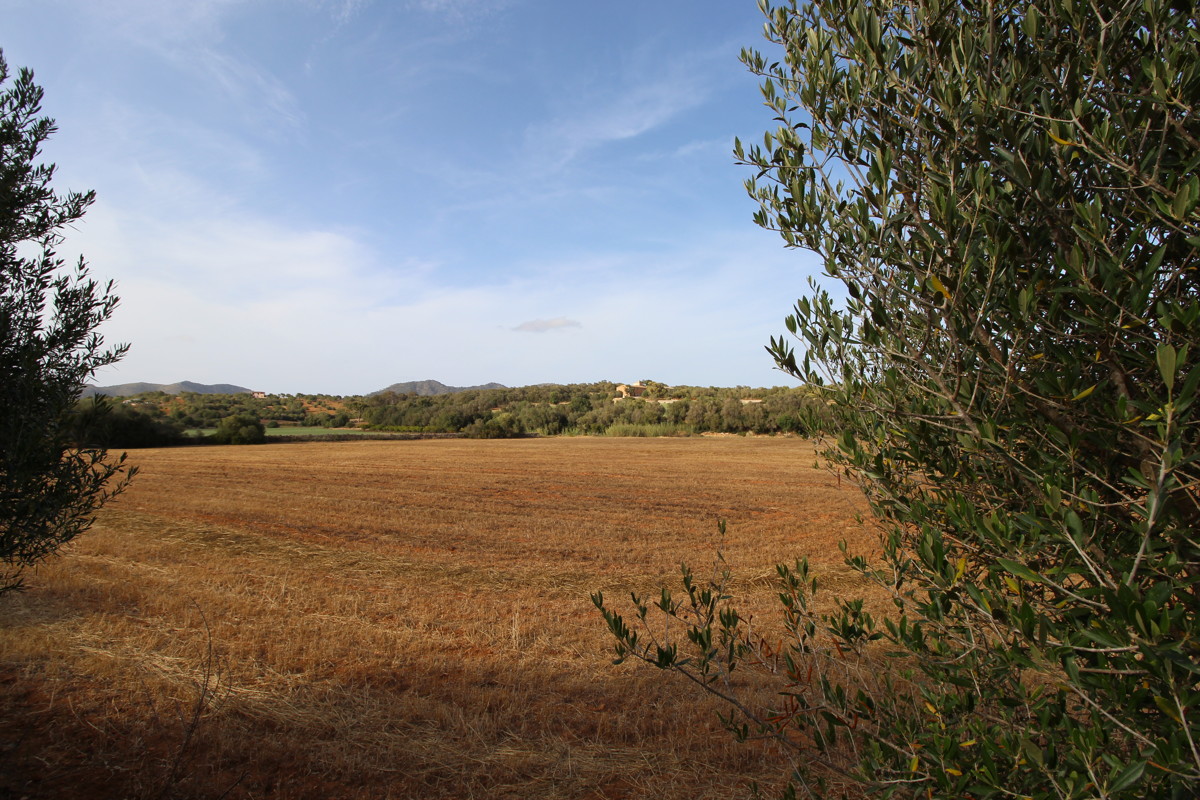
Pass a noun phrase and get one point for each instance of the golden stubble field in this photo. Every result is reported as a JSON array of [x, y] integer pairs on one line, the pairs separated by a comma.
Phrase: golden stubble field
[[399, 619]]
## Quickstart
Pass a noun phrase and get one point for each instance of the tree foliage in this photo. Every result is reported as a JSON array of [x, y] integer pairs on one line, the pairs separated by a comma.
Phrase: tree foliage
[[1008, 195], [590, 409], [50, 489], [542, 410], [98, 422], [240, 429]]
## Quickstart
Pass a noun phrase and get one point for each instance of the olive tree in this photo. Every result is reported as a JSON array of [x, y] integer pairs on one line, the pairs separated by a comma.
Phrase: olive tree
[[50, 489], [1005, 198]]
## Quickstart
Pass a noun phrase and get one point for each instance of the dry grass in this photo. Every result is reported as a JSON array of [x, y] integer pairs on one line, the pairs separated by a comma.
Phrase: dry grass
[[397, 619]]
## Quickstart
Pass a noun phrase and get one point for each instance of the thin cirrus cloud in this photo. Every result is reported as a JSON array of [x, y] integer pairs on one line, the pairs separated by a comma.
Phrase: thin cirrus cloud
[[630, 113], [191, 38], [544, 325], [462, 11], [154, 24], [259, 93]]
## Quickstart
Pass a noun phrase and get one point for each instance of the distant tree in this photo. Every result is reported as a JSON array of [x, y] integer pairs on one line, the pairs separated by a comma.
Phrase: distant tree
[[599, 418], [789, 423], [240, 429], [639, 412], [676, 412], [655, 389], [500, 426], [755, 419], [98, 422], [704, 414], [732, 418], [543, 418], [50, 489]]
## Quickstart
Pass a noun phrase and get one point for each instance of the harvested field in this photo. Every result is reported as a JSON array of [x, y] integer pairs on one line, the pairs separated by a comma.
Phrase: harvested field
[[398, 619]]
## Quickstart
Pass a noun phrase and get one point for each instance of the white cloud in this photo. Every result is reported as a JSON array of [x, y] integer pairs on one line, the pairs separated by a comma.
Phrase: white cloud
[[254, 90], [543, 325], [189, 35], [343, 11], [159, 24], [123, 142], [281, 309], [243, 259], [463, 10], [722, 146], [626, 114]]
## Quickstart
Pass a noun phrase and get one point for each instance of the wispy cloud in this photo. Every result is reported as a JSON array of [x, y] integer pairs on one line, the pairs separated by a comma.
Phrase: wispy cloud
[[125, 139], [626, 114], [723, 146], [543, 325], [463, 11], [155, 23], [343, 11], [255, 90], [191, 37]]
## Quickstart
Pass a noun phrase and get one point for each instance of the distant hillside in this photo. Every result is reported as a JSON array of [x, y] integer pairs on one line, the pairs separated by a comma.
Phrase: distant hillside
[[130, 389], [429, 388]]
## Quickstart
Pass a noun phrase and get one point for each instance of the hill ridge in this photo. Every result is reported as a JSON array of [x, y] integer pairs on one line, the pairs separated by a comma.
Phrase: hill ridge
[[430, 388], [130, 389]]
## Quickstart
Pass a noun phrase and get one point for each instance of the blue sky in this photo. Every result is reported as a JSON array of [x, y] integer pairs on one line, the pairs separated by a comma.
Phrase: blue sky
[[309, 196]]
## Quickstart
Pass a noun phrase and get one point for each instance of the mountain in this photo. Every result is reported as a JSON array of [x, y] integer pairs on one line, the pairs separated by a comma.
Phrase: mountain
[[427, 388], [130, 389]]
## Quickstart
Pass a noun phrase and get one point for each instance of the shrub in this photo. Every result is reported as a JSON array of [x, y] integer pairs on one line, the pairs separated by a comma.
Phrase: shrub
[[499, 426], [648, 430]]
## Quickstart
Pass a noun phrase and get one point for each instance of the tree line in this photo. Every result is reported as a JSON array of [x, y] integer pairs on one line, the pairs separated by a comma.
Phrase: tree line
[[590, 409], [593, 409]]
